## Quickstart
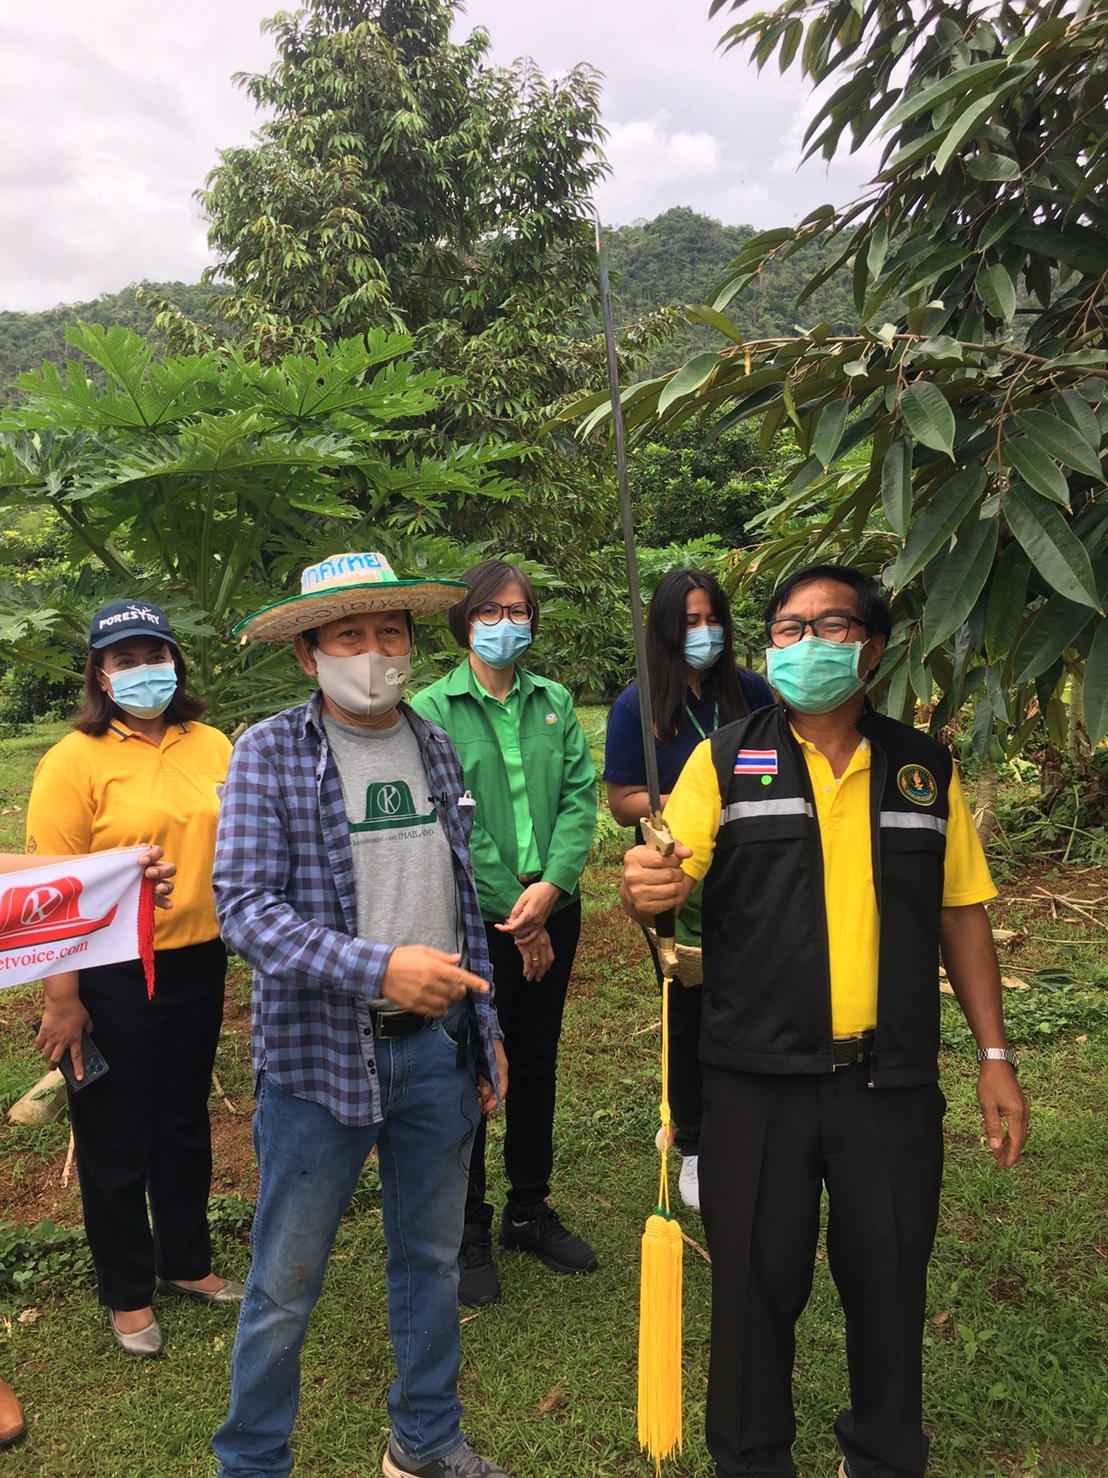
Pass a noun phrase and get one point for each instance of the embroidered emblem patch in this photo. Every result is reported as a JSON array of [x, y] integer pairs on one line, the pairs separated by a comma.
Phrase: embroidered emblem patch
[[917, 784], [551, 718], [756, 762]]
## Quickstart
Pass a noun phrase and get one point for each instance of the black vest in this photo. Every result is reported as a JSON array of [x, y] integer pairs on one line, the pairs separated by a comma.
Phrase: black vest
[[767, 980]]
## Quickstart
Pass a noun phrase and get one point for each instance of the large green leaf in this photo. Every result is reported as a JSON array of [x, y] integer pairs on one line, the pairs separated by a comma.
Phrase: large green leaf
[[1007, 601], [1076, 246], [689, 378], [928, 416], [993, 167], [896, 485], [829, 432], [1060, 439], [938, 523], [1096, 685], [960, 581], [996, 291], [1054, 550], [706, 314], [1038, 470], [1056, 625], [966, 79]]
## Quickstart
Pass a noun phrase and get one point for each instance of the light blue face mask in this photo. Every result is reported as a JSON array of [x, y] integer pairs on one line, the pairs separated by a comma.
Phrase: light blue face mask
[[813, 675], [703, 645], [499, 645], [144, 692]]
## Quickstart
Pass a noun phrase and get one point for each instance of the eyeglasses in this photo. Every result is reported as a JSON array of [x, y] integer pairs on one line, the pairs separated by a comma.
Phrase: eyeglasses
[[491, 611], [834, 626]]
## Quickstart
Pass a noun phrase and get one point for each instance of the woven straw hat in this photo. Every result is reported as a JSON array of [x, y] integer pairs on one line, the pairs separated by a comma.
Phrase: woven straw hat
[[346, 585]]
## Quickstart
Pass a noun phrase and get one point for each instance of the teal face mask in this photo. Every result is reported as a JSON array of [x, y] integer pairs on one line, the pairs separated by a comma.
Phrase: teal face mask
[[144, 692], [703, 645], [500, 644], [813, 675]]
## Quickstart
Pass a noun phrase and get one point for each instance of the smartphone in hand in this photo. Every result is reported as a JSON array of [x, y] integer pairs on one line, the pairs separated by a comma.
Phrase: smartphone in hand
[[93, 1063]]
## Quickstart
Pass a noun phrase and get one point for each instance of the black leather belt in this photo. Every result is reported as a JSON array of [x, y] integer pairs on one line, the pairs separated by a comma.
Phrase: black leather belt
[[388, 1024], [849, 1050]]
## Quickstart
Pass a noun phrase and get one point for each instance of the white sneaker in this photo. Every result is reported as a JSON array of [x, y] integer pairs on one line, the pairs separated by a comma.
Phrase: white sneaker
[[688, 1182]]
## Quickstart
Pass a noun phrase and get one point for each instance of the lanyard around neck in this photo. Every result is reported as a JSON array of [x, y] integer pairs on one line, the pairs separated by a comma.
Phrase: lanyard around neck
[[696, 726]]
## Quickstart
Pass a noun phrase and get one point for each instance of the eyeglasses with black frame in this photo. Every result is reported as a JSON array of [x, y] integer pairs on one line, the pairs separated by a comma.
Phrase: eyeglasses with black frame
[[831, 626], [489, 612]]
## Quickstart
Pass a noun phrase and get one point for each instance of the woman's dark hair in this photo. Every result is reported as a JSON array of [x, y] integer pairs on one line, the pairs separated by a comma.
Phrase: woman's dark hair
[[665, 653], [484, 581], [873, 608], [99, 710]]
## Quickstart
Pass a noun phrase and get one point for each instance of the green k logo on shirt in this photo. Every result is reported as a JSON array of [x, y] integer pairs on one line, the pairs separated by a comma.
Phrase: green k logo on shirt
[[389, 805]]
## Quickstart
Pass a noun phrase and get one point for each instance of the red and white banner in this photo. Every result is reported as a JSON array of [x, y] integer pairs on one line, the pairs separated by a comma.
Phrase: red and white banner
[[78, 913]]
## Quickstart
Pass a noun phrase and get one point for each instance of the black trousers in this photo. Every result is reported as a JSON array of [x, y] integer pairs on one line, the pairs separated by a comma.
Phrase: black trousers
[[143, 1129], [769, 1144], [530, 1014], [685, 1083]]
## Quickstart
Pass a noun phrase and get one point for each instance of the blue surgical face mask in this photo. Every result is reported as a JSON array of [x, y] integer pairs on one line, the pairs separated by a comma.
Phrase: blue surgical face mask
[[144, 692], [703, 645], [499, 645], [813, 675]]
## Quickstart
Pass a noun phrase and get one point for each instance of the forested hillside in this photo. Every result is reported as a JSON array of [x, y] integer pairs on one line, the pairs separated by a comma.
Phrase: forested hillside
[[679, 257], [672, 260], [26, 339]]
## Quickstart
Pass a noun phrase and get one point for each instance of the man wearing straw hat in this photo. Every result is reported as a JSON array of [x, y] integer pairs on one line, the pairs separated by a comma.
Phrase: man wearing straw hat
[[838, 856], [343, 878]]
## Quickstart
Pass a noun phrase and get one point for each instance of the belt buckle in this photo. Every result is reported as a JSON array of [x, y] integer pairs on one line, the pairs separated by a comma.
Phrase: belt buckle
[[859, 1045], [380, 1025]]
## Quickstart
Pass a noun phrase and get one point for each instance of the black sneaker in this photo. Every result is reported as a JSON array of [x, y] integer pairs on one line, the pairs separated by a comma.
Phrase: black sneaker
[[478, 1283], [463, 1462], [545, 1236]]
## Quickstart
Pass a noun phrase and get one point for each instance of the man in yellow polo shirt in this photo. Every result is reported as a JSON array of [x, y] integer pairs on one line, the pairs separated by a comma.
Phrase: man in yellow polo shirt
[[837, 856]]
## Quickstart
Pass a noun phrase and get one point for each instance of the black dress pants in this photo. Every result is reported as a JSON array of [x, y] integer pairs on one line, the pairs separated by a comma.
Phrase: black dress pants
[[143, 1128], [768, 1146], [530, 1013]]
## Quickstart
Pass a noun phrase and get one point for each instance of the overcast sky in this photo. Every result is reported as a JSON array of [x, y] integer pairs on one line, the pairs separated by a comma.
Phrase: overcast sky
[[114, 111]]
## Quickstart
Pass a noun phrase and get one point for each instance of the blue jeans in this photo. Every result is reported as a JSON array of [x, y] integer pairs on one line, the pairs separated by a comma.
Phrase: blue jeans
[[309, 1165]]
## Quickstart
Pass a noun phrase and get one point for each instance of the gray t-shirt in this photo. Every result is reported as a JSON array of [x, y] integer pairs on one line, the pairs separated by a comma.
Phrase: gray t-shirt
[[403, 866]]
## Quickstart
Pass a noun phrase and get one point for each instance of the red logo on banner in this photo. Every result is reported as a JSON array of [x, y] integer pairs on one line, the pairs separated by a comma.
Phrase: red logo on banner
[[45, 911]]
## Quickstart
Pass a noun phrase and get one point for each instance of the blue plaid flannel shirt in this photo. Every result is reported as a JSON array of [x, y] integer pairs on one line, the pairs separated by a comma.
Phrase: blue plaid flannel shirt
[[284, 890]]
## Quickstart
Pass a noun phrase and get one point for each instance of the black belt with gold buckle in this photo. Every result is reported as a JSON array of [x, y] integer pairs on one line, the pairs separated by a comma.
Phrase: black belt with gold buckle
[[388, 1024], [850, 1050]]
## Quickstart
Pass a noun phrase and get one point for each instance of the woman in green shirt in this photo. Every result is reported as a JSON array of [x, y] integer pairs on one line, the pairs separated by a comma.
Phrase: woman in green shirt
[[528, 768]]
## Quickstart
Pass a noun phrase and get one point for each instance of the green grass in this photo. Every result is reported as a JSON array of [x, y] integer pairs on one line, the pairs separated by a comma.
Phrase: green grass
[[1015, 1367]]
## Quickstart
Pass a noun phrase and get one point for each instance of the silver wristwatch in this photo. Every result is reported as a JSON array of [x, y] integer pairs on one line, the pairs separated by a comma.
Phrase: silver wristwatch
[[1000, 1054]]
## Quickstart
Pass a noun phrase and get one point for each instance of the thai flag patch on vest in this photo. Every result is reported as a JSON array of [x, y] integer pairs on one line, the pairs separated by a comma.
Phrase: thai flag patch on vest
[[756, 762]]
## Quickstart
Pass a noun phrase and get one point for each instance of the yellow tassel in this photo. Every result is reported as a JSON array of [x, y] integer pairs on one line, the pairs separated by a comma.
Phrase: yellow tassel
[[660, 1302]]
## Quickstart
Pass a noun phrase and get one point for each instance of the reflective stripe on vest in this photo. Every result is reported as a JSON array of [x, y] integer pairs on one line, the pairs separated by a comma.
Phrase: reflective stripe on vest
[[912, 820], [744, 810]]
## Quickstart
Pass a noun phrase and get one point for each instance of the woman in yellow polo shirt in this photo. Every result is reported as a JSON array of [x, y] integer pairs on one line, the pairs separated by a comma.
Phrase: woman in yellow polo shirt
[[139, 768]]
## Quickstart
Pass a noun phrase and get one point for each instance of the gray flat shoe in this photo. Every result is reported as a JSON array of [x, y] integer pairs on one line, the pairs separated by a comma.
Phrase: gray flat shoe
[[230, 1293], [148, 1341]]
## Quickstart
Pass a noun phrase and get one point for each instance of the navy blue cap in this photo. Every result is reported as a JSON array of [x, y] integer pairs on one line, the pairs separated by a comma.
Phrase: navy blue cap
[[125, 618]]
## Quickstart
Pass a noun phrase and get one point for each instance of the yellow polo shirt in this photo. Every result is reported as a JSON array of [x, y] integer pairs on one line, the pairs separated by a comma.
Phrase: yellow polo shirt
[[842, 808], [92, 794]]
